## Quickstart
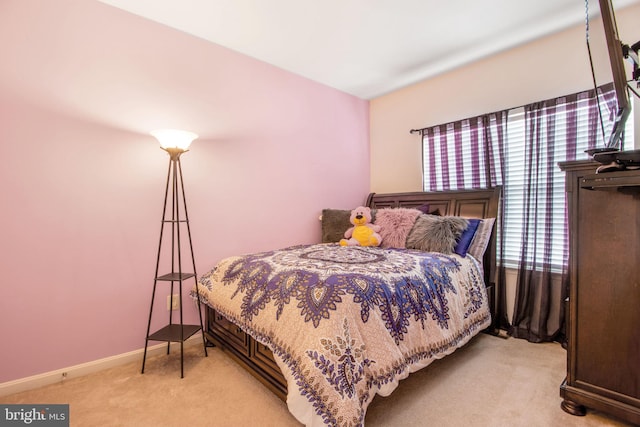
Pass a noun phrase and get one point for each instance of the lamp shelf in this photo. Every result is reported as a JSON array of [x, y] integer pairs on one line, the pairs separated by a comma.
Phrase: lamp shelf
[[175, 277], [174, 333]]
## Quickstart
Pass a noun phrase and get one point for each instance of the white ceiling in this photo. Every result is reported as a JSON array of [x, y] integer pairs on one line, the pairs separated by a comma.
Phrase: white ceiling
[[366, 47]]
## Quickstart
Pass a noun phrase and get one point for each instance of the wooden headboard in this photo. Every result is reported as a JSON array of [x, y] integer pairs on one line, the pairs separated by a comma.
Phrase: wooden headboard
[[466, 203]]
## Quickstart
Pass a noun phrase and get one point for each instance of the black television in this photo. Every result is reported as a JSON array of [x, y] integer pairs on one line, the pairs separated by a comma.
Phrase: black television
[[618, 52]]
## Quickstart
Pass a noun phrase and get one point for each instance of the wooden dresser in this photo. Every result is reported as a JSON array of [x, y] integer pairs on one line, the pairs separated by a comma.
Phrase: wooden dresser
[[603, 354]]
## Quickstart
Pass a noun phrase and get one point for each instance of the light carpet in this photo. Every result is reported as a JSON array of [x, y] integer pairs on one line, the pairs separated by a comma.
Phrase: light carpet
[[490, 382]]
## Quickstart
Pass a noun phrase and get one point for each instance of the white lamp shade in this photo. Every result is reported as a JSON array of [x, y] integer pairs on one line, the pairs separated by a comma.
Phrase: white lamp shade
[[174, 138]]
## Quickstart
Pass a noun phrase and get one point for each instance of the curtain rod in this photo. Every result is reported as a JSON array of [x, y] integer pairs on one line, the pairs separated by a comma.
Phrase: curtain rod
[[602, 88], [412, 131]]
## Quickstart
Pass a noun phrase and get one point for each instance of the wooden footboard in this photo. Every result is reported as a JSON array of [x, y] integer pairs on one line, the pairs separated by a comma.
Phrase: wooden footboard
[[258, 359]]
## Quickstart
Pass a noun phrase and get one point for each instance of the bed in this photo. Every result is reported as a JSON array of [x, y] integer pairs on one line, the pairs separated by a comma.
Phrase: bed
[[327, 327]]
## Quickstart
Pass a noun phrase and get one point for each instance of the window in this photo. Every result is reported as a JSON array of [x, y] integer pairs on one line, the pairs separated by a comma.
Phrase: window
[[468, 154], [514, 179]]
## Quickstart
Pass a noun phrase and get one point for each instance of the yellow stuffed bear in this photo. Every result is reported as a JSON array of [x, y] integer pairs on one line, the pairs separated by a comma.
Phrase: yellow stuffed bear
[[363, 233]]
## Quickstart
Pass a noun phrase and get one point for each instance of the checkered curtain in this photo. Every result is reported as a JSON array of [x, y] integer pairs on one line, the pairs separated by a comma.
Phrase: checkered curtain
[[552, 135], [470, 154], [467, 154]]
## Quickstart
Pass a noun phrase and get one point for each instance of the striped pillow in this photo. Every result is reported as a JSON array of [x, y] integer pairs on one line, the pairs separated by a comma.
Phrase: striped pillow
[[481, 239]]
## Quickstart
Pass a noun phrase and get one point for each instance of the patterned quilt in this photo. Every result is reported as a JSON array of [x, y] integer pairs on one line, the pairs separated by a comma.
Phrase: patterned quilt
[[345, 323]]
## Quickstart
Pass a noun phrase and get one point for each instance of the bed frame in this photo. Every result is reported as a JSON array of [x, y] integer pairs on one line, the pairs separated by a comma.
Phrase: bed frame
[[258, 359]]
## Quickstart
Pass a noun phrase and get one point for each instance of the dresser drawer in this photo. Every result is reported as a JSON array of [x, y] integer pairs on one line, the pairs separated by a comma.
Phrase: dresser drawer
[[231, 334], [263, 357]]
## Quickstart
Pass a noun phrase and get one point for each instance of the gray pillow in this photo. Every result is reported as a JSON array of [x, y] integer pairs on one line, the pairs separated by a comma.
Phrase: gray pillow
[[334, 223], [433, 233]]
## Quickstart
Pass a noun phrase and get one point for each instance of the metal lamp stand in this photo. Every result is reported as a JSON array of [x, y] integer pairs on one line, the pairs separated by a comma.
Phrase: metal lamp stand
[[174, 332]]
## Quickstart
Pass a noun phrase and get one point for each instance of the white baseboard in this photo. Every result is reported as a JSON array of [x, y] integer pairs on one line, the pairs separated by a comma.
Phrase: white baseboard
[[59, 375]]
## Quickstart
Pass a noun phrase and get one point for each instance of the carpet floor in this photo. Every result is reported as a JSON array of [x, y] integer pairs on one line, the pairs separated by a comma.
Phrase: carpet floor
[[490, 382]]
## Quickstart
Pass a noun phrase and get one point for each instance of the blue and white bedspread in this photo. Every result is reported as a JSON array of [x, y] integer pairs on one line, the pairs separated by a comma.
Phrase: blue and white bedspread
[[345, 323]]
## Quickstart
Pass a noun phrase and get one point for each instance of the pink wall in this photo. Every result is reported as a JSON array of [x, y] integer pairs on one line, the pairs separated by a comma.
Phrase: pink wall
[[81, 85]]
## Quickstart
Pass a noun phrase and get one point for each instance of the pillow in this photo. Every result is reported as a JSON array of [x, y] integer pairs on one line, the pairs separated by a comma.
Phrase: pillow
[[426, 209], [395, 225], [481, 239], [436, 233], [334, 223], [462, 246]]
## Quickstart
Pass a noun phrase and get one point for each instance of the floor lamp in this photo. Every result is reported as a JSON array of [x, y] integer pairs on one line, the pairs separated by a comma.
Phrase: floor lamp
[[176, 218]]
